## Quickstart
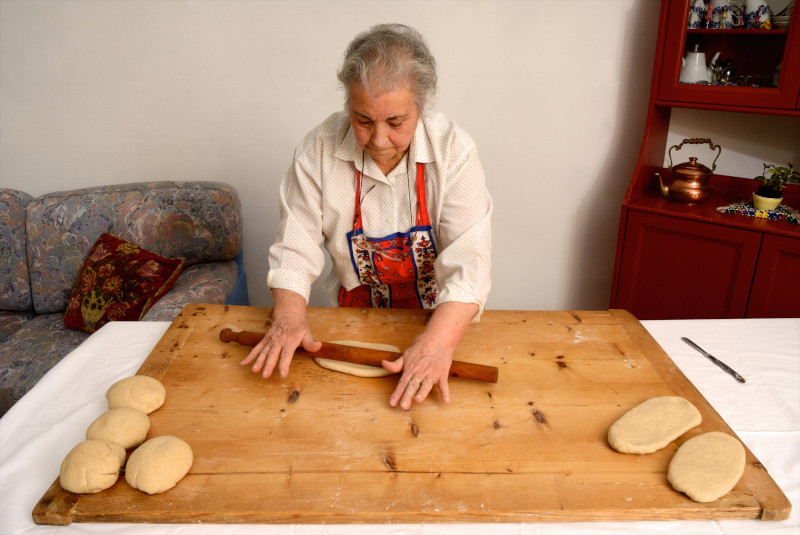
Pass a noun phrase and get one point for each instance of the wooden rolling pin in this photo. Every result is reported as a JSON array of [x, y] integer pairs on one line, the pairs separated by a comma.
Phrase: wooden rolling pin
[[360, 355]]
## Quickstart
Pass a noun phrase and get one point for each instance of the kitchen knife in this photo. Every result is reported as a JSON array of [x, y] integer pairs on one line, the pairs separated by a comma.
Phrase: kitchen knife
[[360, 355], [715, 360]]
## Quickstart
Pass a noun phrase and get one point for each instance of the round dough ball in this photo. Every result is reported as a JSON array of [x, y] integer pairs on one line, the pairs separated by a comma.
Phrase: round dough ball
[[91, 466], [124, 426], [653, 424], [139, 392], [352, 368], [158, 464], [707, 466]]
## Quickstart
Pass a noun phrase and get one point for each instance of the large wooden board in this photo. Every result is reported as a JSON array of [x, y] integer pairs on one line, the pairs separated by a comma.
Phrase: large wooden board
[[323, 447]]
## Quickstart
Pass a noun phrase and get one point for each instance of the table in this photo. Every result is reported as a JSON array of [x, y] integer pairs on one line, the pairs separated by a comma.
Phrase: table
[[37, 432]]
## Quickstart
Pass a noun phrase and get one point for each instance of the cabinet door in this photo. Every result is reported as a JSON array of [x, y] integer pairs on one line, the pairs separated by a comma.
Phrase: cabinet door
[[673, 268], [776, 285]]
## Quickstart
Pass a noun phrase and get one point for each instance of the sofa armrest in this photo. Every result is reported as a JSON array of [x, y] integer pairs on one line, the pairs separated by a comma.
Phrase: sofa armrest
[[209, 282]]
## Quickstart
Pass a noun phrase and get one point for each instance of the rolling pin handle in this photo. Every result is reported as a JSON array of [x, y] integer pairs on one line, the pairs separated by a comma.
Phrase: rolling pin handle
[[227, 335]]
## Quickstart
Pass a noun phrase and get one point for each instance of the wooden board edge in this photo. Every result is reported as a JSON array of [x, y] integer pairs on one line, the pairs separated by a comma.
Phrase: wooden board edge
[[55, 507], [774, 503], [160, 358]]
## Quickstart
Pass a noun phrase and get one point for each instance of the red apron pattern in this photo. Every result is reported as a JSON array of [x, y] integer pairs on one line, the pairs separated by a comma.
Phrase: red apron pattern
[[395, 271]]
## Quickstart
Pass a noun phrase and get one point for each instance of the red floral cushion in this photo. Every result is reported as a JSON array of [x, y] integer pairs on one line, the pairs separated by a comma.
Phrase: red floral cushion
[[118, 281]]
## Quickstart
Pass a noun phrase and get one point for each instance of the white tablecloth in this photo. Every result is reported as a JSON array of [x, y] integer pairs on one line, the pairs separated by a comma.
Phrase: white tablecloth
[[41, 428]]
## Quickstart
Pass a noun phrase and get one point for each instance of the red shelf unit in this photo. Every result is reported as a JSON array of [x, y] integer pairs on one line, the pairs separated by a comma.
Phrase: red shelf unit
[[675, 260]]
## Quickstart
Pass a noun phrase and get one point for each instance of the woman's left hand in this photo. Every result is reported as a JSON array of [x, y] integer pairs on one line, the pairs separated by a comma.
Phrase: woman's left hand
[[427, 361], [424, 364]]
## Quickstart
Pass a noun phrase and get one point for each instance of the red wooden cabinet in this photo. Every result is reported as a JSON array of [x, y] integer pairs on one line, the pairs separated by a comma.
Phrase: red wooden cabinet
[[677, 260], [676, 268], [776, 285]]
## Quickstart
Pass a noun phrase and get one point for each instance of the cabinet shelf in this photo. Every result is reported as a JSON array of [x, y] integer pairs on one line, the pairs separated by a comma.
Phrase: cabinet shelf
[[727, 190], [737, 32]]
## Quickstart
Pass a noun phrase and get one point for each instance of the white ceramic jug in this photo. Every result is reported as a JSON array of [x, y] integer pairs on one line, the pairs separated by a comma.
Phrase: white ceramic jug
[[694, 68]]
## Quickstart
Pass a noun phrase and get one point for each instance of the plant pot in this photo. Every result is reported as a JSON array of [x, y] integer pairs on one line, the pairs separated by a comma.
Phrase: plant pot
[[765, 203]]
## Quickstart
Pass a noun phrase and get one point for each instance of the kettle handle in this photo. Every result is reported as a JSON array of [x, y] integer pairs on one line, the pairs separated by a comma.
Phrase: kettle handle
[[696, 141]]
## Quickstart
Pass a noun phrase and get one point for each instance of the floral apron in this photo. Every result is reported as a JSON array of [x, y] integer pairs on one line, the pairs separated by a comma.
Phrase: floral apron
[[402, 277]]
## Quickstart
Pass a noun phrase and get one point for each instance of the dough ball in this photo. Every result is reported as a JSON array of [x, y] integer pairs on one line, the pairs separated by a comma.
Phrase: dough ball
[[653, 424], [124, 426], [358, 370], [707, 466], [139, 392], [158, 464], [91, 466]]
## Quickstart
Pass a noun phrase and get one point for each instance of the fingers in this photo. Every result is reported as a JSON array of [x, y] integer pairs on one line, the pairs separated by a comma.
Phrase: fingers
[[309, 344], [415, 390], [279, 344], [266, 354], [393, 366], [444, 389], [255, 353], [425, 387], [285, 361]]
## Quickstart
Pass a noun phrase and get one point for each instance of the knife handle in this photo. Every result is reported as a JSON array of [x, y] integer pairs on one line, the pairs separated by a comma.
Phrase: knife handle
[[371, 357]]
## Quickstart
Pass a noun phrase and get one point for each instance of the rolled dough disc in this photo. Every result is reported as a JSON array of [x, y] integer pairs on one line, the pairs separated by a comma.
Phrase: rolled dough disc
[[653, 424], [707, 466], [124, 426], [157, 465], [91, 466], [139, 392], [358, 370]]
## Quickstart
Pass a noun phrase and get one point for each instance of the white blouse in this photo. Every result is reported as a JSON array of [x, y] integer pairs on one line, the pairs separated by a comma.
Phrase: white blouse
[[317, 202]]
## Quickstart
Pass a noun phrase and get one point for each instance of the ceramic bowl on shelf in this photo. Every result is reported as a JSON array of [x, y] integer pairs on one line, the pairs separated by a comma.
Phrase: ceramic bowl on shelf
[[781, 22]]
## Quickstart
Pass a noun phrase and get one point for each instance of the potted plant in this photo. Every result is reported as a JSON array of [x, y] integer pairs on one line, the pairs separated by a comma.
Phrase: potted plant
[[770, 193]]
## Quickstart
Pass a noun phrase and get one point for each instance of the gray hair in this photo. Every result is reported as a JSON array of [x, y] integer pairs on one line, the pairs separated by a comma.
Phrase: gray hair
[[388, 57]]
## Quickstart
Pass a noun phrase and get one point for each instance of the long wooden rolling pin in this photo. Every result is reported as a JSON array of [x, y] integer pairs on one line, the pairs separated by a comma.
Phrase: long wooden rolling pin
[[360, 355]]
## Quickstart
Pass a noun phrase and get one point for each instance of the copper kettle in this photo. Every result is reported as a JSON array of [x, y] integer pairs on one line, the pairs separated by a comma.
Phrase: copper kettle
[[691, 181]]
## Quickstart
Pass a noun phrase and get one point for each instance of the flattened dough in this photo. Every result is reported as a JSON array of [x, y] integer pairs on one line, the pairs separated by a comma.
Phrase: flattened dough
[[707, 466], [139, 392], [158, 464], [91, 466], [653, 424], [358, 370], [124, 426]]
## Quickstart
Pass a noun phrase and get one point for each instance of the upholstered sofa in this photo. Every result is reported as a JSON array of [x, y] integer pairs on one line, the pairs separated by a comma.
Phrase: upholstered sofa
[[44, 243]]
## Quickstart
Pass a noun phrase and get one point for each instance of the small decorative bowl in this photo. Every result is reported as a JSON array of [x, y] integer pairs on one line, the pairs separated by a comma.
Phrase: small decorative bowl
[[781, 22]]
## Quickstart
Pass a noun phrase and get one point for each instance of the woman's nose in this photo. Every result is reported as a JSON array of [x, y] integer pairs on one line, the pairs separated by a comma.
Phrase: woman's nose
[[379, 135]]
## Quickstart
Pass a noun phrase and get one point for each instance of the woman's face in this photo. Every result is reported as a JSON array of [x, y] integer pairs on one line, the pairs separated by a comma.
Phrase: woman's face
[[384, 124]]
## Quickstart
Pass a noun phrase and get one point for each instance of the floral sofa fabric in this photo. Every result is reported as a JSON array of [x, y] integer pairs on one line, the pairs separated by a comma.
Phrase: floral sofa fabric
[[45, 241], [15, 288]]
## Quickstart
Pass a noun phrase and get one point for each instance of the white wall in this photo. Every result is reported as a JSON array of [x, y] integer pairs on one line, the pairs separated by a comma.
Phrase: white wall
[[553, 91]]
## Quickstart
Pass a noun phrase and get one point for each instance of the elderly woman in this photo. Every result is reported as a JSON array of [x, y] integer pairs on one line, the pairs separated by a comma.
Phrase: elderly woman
[[397, 197]]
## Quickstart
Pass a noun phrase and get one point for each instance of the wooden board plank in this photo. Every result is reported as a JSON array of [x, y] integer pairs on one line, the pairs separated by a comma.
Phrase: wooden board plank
[[323, 447]]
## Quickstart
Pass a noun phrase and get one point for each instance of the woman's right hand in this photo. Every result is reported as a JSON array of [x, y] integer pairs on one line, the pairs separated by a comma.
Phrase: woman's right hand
[[288, 330]]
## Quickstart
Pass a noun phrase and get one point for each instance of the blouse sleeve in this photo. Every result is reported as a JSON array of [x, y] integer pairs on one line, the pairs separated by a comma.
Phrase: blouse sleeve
[[464, 234], [296, 258]]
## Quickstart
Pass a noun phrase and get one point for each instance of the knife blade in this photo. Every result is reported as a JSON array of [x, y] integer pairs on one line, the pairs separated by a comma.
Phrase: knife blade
[[371, 357], [727, 369]]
